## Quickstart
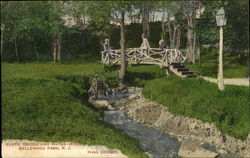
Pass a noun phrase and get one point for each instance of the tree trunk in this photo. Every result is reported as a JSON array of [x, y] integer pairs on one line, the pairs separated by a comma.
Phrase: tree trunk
[[194, 46], [178, 38], [190, 40], [162, 23], [122, 44], [170, 34], [56, 44], [36, 52], [17, 55], [59, 41], [54, 48], [174, 36], [2, 33], [153, 16], [145, 19]]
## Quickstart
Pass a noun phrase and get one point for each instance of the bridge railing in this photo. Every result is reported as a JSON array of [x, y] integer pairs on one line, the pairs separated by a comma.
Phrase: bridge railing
[[158, 56]]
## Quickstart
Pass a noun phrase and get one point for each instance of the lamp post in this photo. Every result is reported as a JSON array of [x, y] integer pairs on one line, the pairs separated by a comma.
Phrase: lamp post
[[221, 21]]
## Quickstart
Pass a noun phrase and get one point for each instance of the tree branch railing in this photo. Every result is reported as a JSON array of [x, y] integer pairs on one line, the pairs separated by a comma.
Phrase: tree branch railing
[[162, 57]]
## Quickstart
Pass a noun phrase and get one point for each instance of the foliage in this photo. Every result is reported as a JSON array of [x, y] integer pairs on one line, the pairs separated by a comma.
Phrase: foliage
[[100, 17], [30, 22], [26, 19], [236, 37]]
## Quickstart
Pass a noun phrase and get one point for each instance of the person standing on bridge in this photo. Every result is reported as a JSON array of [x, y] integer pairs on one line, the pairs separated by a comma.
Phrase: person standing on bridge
[[145, 45], [162, 44], [106, 45]]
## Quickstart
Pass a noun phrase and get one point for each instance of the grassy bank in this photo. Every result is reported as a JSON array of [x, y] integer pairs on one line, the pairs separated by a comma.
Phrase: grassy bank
[[195, 98], [47, 102], [209, 66]]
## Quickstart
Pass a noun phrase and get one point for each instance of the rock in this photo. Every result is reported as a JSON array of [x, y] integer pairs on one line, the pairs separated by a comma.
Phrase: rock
[[222, 151], [193, 125], [134, 96], [148, 114], [192, 148], [245, 153], [248, 138], [103, 104], [110, 108], [184, 125]]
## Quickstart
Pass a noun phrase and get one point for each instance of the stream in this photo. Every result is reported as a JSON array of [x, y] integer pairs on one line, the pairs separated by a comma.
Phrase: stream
[[155, 143]]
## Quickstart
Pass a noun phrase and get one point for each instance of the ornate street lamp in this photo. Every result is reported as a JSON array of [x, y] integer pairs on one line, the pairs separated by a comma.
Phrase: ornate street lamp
[[221, 21]]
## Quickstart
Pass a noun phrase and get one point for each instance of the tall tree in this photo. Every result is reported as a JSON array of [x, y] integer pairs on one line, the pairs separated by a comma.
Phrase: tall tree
[[190, 9], [101, 19], [172, 22], [29, 21], [2, 35], [122, 8], [145, 19], [55, 21], [10, 20], [122, 44]]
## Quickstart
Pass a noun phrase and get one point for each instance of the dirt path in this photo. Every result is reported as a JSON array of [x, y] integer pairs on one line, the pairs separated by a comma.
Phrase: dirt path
[[229, 81], [26, 148]]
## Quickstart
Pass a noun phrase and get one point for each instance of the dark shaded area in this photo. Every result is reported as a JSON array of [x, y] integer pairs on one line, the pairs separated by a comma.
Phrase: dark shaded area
[[76, 45], [80, 85], [136, 77]]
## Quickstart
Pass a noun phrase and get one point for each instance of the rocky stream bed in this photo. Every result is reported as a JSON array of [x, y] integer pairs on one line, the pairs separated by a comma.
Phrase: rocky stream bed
[[162, 134]]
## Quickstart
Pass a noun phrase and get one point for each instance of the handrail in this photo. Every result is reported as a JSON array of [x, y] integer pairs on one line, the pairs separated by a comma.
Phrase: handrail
[[137, 55]]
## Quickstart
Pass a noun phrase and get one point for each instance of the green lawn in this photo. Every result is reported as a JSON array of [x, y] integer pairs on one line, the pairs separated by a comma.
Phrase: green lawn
[[47, 102], [209, 67]]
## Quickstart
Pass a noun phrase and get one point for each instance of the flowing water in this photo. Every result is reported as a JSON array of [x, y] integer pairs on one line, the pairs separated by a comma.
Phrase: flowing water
[[154, 142]]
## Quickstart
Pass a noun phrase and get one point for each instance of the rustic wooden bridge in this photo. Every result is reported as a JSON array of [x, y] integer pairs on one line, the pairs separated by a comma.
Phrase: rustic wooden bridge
[[168, 59]]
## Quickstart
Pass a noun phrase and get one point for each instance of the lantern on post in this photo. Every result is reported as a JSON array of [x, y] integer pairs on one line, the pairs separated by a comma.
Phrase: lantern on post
[[221, 18], [221, 21]]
